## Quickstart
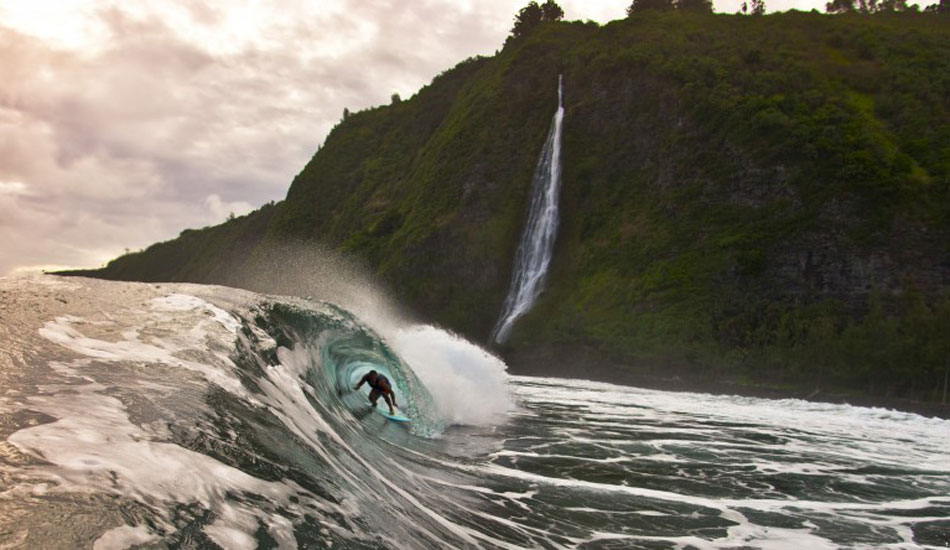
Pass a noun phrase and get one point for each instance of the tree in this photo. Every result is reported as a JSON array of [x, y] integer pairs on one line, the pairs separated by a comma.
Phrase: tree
[[870, 6], [550, 11], [942, 8], [527, 20], [840, 6], [890, 6], [643, 5], [533, 15], [396, 99], [698, 6], [758, 7]]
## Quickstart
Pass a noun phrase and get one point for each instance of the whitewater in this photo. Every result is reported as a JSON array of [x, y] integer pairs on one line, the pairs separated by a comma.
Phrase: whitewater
[[140, 415]]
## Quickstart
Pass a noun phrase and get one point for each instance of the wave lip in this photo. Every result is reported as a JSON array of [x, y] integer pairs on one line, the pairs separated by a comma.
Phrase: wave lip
[[469, 386]]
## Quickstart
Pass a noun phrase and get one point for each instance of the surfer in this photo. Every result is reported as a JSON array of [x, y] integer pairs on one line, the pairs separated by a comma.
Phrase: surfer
[[381, 386]]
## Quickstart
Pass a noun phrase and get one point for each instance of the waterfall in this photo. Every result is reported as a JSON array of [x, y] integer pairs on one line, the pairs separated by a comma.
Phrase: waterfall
[[537, 241]]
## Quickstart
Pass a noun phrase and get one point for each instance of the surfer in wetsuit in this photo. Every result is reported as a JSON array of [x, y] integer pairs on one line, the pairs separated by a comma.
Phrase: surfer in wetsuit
[[381, 386]]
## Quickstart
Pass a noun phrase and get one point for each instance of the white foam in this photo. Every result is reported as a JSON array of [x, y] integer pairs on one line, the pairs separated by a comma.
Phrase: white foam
[[124, 537], [184, 302], [818, 439], [855, 434], [233, 529], [93, 445], [469, 385], [131, 349], [772, 538]]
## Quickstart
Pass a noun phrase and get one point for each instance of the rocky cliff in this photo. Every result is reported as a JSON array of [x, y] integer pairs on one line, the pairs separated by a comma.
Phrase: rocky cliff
[[749, 198]]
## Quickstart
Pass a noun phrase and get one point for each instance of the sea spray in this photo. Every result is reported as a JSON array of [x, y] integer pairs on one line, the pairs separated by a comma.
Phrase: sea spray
[[468, 385], [323, 275], [537, 241]]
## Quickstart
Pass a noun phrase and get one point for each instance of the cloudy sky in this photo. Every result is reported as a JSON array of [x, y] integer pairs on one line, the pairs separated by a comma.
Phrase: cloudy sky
[[124, 122]]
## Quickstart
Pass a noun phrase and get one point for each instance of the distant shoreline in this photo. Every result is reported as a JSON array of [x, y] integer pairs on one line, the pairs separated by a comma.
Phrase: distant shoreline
[[584, 367]]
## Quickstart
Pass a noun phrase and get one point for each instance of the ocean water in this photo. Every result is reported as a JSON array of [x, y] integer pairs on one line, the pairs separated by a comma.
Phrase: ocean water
[[188, 416]]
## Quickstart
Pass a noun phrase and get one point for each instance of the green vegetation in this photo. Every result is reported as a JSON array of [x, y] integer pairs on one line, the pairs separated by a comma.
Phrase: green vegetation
[[883, 6], [697, 6], [761, 199], [532, 15]]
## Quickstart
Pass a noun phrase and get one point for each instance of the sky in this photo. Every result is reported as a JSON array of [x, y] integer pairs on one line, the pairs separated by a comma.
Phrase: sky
[[124, 122]]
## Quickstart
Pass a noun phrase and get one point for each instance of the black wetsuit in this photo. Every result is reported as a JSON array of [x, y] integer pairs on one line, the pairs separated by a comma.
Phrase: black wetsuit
[[381, 386]]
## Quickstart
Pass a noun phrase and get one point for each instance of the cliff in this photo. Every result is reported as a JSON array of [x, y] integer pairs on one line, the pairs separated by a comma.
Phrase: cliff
[[744, 198]]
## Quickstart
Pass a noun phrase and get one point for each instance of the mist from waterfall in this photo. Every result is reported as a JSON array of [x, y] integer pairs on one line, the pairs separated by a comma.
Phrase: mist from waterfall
[[537, 241]]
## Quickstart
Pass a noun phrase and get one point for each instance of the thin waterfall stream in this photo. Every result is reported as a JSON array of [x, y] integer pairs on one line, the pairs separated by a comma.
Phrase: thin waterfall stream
[[537, 242]]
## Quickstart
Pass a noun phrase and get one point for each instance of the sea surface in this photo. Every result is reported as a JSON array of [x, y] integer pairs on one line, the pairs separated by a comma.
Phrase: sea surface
[[187, 416]]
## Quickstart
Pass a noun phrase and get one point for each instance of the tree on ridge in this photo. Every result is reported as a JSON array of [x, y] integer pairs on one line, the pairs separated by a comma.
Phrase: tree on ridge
[[550, 11], [642, 5], [533, 15], [873, 6], [699, 6]]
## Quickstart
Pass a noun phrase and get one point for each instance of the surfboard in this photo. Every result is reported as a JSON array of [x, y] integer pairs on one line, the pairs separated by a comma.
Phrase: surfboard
[[398, 417]]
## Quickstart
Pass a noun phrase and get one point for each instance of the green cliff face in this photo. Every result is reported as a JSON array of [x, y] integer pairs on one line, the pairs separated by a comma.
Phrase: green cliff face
[[755, 198]]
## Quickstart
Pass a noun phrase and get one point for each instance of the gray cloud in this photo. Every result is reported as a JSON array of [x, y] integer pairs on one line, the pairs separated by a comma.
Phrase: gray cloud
[[173, 118]]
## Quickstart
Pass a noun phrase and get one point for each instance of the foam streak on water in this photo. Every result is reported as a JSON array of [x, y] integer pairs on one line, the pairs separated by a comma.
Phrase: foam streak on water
[[205, 417], [678, 469]]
